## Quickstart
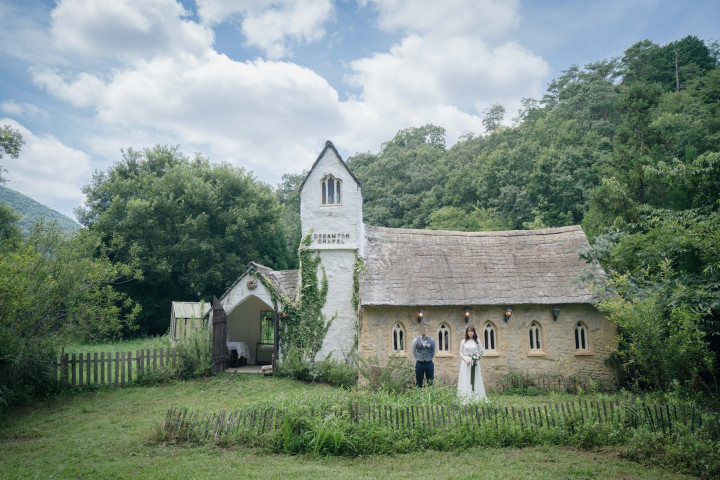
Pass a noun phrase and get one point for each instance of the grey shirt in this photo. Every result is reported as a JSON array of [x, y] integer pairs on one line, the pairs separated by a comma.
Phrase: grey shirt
[[423, 349]]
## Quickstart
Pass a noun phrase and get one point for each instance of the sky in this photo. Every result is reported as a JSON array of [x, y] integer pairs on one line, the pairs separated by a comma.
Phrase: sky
[[262, 84]]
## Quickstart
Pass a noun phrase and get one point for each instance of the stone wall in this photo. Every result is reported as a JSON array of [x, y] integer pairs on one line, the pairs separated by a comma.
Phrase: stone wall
[[557, 356]]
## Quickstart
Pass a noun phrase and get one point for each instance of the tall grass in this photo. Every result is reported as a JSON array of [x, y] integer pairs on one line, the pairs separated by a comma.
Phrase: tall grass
[[361, 422], [127, 345]]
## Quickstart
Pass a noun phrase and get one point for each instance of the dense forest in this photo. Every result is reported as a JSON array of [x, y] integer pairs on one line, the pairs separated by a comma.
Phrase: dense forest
[[629, 148]]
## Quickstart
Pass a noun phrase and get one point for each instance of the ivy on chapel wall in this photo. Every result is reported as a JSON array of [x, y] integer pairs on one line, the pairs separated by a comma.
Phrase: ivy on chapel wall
[[302, 325]]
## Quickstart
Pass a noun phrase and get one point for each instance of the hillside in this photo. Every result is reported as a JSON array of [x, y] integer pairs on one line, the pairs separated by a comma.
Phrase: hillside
[[32, 212]]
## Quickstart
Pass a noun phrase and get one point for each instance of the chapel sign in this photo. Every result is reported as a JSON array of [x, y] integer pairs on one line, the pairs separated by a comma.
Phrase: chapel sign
[[330, 238]]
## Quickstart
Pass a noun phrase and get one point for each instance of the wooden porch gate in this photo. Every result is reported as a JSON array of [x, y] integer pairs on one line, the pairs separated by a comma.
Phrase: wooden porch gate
[[219, 337]]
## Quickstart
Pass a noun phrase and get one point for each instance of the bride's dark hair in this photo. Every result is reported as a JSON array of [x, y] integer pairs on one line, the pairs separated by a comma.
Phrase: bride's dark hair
[[467, 334]]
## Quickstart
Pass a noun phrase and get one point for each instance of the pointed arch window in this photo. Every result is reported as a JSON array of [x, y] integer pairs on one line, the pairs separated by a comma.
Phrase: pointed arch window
[[398, 338], [331, 192], [443, 336], [581, 337], [490, 337], [535, 335]]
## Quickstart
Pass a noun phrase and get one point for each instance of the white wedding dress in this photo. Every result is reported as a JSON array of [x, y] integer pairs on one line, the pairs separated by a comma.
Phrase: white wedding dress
[[465, 389]]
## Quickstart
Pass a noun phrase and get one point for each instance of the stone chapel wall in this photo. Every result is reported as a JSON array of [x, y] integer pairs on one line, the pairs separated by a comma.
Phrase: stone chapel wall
[[558, 355]]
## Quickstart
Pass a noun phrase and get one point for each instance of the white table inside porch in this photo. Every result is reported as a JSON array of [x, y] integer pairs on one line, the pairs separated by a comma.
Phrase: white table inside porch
[[241, 348]]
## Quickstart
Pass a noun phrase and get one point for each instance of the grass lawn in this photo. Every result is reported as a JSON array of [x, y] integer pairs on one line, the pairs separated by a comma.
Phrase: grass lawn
[[107, 434], [130, 345]]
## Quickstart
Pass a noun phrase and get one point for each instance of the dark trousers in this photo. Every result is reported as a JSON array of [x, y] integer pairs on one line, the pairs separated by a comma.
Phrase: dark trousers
[[424, 369]]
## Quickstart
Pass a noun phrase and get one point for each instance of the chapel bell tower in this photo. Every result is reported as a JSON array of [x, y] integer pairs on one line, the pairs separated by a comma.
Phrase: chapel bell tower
[[331, 212]]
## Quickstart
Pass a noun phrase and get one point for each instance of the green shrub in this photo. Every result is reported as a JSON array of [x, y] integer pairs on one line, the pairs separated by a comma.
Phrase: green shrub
[[150, 377], [334, 372], [295, 365], [692, 452], [194, 354], [330, 370], [660, 343], [397, 375], [26, 373]]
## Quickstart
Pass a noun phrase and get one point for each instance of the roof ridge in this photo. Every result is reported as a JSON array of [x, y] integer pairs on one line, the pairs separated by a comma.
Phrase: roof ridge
[[484, 233]]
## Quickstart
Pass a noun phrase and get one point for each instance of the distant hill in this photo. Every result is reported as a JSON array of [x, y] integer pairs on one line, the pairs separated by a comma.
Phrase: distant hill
[[32, 212]]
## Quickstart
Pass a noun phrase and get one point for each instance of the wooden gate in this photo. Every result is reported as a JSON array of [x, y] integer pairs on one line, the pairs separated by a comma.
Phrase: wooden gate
[[219, 337]]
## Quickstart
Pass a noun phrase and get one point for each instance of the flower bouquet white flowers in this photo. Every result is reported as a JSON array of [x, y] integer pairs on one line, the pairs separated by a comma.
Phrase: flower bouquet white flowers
[[477, 354]]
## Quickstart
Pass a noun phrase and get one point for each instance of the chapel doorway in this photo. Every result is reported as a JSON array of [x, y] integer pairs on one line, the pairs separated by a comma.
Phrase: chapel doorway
[[250, 331]]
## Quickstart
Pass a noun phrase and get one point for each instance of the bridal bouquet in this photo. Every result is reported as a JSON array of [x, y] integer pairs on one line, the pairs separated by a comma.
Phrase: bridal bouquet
[[475, 359]]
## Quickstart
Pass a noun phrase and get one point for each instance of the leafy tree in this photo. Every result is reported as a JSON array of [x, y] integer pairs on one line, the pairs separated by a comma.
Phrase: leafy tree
[[10, 143], [55, 288], [400, 183], [9, 232], [454, 218], [493, 117], [194, 226], [288, 194]]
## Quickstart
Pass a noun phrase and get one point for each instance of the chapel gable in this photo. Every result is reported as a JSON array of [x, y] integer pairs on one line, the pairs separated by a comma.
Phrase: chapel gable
[[331, 203]]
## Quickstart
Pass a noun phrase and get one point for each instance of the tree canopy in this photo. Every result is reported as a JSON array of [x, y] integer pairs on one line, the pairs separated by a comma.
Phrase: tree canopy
[[193, 225], [626, 147]]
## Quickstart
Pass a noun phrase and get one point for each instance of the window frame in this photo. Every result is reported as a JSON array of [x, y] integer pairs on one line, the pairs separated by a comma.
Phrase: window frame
[[581, 330], [398, 330], [330, 186], [536, 346], [493, 333], [443, 342], [271, 315]]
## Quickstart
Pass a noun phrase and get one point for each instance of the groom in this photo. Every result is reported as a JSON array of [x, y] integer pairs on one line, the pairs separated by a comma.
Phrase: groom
[[423, 349]]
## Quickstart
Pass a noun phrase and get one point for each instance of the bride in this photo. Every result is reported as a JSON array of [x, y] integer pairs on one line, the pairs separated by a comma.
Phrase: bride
[[470, 384]]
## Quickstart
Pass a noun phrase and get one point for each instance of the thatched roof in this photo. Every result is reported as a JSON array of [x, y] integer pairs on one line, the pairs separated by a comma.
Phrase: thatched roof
[[435, 267], [286, 281]]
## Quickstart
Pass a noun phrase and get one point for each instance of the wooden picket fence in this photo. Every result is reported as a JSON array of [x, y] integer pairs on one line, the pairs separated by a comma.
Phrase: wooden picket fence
[[109, 368], [630, 413]]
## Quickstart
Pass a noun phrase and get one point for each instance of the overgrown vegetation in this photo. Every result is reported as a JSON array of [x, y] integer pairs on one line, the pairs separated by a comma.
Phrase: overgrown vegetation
[[360, 422], [397, 375], [119, 430], [52, 290], [342, 373], [302, 325]]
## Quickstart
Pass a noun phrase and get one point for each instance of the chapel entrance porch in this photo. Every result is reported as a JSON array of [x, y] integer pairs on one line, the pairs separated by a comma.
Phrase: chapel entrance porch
[[250, 331]]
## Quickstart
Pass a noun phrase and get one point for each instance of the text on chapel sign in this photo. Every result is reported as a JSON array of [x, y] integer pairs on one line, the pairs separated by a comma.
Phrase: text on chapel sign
[[330, 238]]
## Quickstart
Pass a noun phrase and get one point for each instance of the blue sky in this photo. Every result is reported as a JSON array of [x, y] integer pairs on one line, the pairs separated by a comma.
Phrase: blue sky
[[262, 84]]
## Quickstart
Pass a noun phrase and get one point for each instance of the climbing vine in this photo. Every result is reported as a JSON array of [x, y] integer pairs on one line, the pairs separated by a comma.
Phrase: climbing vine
[[358, 270], [303, 326]]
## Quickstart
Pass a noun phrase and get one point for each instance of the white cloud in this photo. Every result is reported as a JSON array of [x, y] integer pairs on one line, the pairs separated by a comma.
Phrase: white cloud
[[269, 24], [450, 79], [273, 116], [46, 169], [254, 113], [80, 90], [483, 18], [126, 29], [23, 109]]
